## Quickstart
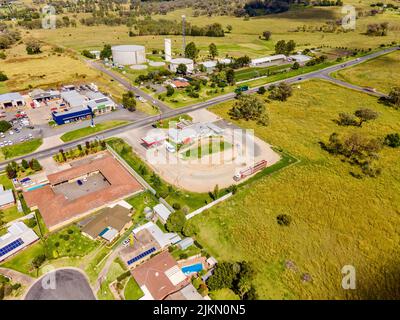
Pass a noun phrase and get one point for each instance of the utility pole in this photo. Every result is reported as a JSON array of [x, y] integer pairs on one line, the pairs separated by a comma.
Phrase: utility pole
[[184, 33]]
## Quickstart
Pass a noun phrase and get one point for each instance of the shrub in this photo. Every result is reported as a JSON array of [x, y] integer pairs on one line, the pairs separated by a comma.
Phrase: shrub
[[3, 77], [176, 206], [392, 140], [284, 220], [4, 126]]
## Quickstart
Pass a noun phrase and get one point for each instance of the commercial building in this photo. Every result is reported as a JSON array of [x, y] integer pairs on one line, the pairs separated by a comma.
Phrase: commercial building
[[18, 237], [72, 115], [268, 61], [194, 131], [41, 95], [11, 99], [101, 105], [6, 198], [159, 277], [128, 55], [73, 98], [173, 66], [108, 223], [85, 188]]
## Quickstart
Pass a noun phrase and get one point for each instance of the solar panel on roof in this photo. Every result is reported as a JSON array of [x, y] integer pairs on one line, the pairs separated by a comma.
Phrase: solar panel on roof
[[11, 246], [140, 256]]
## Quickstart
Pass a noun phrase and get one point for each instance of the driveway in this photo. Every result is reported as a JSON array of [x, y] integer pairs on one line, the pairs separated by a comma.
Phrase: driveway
[[69, 284]]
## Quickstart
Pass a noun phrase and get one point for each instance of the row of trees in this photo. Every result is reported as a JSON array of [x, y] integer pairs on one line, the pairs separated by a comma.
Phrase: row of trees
[[378, 29], [80, 151], [283, 47], [13, 168], [359, 117]]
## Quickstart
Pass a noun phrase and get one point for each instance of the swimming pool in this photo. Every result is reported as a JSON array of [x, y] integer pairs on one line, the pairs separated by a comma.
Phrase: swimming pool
[[35, 187], [192, 268]]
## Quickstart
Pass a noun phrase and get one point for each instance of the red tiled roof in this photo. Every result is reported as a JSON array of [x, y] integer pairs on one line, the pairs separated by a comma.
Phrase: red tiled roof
[[56, 209], [152, 275]]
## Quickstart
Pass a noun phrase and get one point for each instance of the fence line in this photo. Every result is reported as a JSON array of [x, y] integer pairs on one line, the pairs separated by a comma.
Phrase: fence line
[[142, 181], [208, 206]]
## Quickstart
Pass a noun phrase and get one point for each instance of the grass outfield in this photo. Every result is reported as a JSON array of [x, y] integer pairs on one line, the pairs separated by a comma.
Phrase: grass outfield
[[336, 219], [83, 132], [381, 73], [21, 149]]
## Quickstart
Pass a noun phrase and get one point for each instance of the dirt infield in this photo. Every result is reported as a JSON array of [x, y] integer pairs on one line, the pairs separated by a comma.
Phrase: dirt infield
[[202, 174]]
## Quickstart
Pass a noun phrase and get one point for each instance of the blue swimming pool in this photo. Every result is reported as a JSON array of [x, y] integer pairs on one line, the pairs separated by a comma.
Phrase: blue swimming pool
[[35, 187], [192, 268]]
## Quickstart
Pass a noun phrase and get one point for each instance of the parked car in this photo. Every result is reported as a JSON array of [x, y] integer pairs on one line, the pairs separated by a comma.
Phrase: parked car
[[10, 143]]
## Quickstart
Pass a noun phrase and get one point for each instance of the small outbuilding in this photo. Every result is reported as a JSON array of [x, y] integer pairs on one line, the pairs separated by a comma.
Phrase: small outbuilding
[[162, 212], [185, 243]]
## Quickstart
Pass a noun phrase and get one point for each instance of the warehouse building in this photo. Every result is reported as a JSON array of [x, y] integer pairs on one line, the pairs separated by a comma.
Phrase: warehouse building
[[72, 115], [268, 61], [40, 95], [11, 99], [73, 98]]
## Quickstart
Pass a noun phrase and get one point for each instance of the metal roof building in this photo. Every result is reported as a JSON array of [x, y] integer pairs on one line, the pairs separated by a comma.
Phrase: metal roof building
[[6, 197], [18, 237], [73, 98], [72, 115], [11, 99], [268, 60], [162, 212]]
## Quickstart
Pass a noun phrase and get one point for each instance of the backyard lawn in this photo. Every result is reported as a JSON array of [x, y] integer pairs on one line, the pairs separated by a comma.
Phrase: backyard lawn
[[337, 219], [381, 73], [21, 149], [11, 214], [83, 132], [6, 182], [132, 290]]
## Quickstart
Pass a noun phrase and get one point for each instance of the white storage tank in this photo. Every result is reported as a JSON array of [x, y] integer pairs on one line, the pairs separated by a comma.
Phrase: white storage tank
[[187, 62], [129, 54]]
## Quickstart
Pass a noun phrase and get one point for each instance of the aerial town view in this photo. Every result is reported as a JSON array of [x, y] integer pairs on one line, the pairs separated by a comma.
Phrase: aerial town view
[[199, 150]]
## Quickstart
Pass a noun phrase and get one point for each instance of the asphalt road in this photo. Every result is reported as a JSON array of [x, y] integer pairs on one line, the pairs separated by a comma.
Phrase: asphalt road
[[162, 106], [69, 284], [168, 113]]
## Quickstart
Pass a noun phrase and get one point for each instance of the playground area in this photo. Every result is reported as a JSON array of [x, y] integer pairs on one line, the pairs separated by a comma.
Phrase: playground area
[[207, 161]]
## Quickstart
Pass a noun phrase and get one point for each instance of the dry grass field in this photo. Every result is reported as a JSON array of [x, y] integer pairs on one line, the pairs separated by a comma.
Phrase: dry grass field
[[244, 38], [381, 73], [337, 220]]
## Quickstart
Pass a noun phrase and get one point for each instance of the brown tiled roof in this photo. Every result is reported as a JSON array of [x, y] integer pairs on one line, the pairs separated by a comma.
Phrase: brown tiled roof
[[56, 209], [116, 217], [152, 275]]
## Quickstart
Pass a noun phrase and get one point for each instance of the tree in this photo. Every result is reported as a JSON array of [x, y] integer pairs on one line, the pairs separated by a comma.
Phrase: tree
[[88, 54], [191, 51], [35, 165], [24, 164], [394, 96], [213, 50], [33, 46], [176, 221], [283, 219], [295, 66], [223, 276], [280, 47], [261, 90], [3, 77], [11, 172], [366, 115], [4, 125], [267, 35], [392, 140], [155, 180], [181, 69], [346, 119], [170, 90], [290, 46], [38, 261], [281, 92], [229, 28], [128, 101], [249, 108], [106, 52], [230, 76]]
